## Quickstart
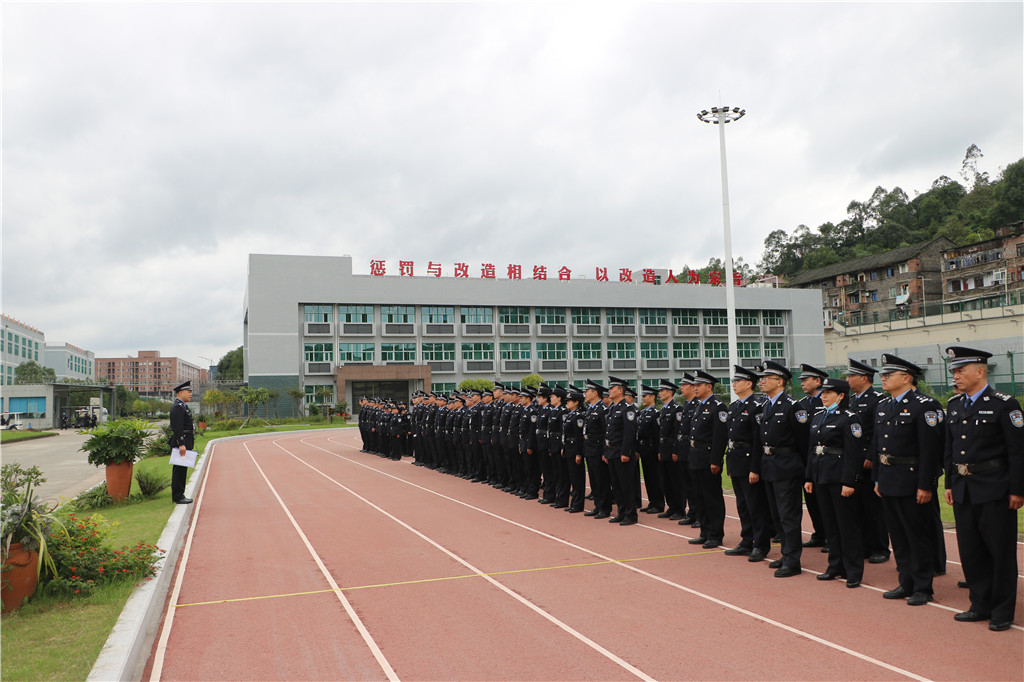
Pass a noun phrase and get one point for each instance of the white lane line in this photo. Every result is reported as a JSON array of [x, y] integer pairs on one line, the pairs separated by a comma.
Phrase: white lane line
[[544, 614], [364, 633], [701, 595], [165, 632]]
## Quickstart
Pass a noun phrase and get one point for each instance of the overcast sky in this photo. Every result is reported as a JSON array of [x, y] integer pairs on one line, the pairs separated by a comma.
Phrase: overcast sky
[[148, 148]]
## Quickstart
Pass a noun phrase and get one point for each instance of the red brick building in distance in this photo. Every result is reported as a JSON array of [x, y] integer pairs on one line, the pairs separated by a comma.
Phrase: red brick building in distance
[[149, 374]]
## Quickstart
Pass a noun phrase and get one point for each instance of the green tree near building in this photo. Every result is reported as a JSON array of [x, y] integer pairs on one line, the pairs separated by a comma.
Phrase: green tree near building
[[532, 380], [231, 366], [297, 396], [32, 372], [476, 385]]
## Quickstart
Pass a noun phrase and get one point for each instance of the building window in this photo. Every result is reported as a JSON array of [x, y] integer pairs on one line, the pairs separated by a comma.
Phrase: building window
[[873, 275], [318, 313], [892, 292], [748, 317], [653, 316], [620, 315], [443, 388], [586, 316], [438, 314], [515, 351], [890, 271], [355, 352], [716, 349], [478, 351], [904, 268], [401, 314], [586, 350], [551, 350], [687, 350], [1020, 249], [687, 316], [322, 397], [874, 295], [477, 315], [621, 350], [653, 350], [398, 352], [748, 349], [355, 313], [550, 315], [437, 352], [715, 316], [774, 349], [513, 315]]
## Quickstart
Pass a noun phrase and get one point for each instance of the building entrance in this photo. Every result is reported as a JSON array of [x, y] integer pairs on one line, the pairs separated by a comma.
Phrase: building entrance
[[388, 390]]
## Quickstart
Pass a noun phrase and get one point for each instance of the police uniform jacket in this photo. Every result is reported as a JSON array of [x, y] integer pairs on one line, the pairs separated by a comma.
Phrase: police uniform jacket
[[572, 432], [909, 435], [667, 430], [864, 405], [182, 429], [985, 448], [512, 431], [742, 427], [540, 431], [837, 445], [709, 433], [647, 430], [593, 430], [781, 445], [620, 431], [555, 423], [684, 419], [528, 425], [488, 413]]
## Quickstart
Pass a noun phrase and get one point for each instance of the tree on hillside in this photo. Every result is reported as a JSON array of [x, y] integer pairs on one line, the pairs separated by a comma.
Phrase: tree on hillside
[[231, 365], [31, 372]]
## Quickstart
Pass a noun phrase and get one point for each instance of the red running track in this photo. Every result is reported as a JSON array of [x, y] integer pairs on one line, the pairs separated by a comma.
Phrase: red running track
[[309, 560]]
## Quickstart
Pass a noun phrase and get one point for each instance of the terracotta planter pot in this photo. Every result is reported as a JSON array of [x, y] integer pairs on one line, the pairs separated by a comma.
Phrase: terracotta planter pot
[[119, 481], [20, 576]]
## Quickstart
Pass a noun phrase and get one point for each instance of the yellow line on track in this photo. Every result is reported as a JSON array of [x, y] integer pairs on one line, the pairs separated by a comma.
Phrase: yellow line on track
[[451, 577]]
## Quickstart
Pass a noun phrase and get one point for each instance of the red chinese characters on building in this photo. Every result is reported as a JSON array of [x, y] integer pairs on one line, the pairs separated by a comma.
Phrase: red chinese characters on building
[[625, 275], [405, 268], [434, 269], [461, 270], [601, 274], [564, 273], [671, 278], [515, 271], [649, 277], [737, 279], [487, 271], [694, 277], [540, 272], [377, 268], [715, 278]]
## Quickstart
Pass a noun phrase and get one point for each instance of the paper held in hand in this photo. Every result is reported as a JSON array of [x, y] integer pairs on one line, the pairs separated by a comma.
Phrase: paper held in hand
[[188, 460]]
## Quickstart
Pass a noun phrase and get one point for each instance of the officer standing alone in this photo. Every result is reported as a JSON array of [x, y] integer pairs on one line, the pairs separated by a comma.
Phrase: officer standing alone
[[182, 437]]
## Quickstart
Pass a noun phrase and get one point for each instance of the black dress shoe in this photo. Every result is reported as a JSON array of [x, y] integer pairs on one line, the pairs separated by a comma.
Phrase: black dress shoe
[[590, 512], [627, 522], [897, 593], [666, 514], [683, 519], [828, 575], [970, 617], [824, 549], [559, 505], [616, 519], [998, 625], [775, 564], [545, 500], [853, 583], [787, 572], [529, 497], [712, 544], [590, 496], [814, 542], [777, 539], [939, 572], [738, 550], [652, 510], [183, 500], [919, 599], [602, 515], [574, 510], [697, 540], [961, 584], [756, 555], [695, 524], [878, 558]]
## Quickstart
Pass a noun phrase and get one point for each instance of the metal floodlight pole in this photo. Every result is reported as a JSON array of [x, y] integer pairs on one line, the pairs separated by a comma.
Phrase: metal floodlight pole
[[720, 116]]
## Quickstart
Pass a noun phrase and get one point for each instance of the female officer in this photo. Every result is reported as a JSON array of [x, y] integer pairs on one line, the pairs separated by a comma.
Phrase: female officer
[[836, 451], [572, 450]]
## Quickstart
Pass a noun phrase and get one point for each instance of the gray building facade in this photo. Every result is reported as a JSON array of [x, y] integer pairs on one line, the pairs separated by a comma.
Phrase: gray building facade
[[310, 321]]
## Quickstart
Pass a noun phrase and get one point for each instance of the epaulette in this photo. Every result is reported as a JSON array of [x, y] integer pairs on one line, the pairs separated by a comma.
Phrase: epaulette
[[956, 396], [1002, 396]]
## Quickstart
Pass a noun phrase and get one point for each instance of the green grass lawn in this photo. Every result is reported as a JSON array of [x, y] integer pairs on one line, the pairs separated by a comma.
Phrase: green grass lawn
[[15, 436], [53, 639]]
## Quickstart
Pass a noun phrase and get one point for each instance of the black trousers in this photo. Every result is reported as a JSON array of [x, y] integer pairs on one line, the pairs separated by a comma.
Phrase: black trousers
[[547, 470], [912, 530], [179, 475], [562, 488], [675, 493], [532, 467], [784, 499], [694, 496], [986, 534], [624, 474], [712, 519], [652, 478], [875, 533], [940, 535], [843, 525], [577, 474], [752, 506], [600, 484]]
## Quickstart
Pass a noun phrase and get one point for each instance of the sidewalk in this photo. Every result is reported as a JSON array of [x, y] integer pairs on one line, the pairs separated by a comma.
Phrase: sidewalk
[[65, 466]]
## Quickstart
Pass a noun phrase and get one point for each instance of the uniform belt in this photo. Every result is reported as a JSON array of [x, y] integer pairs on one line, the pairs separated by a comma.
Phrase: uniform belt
[[769, 450], [892, 460], [739, 445], [610, 444], [706, 445], [825, 450], [981, 467]]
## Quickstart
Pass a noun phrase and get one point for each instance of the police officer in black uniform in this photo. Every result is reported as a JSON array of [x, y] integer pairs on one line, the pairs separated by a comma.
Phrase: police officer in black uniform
[[527, 443], [573, 421], [559, 466], [684, 418], [810, 383], [834, 462], [709, 434], [751, 502], [541, 453], [984, 462], [620, 451], [647, 442], [863, 400], [182, 437], [672, 483], [593, 451], [908, 439]]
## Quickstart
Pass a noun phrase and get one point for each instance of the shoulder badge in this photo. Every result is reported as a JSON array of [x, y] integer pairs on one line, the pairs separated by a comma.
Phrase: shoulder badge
[[856, 430], [723, 416], [579, 423], [1017, 419], [931, 418], [533, 417], [630, 415], [801, 416], [757, 417], [679, 416]]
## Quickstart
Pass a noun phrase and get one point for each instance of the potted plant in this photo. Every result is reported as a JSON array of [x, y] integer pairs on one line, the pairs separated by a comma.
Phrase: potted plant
[[116, 445], [27, 523]]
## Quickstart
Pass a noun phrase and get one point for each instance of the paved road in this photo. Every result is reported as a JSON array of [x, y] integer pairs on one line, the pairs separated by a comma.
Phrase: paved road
[[65, 466]]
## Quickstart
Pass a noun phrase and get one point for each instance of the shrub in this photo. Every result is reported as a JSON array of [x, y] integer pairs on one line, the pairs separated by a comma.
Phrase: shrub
[[160, 445], [93, 498], [151, 482], [224, 425], [83, 562]]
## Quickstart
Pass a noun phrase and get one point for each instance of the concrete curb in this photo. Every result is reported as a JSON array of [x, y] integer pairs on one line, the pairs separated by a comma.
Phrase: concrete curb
[[124, 655]]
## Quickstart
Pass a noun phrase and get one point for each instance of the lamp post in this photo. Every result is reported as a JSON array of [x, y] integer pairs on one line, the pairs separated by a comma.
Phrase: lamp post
[[720, 116]]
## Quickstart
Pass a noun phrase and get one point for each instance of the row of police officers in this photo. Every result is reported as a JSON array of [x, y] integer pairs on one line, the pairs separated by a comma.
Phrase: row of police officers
[[865, 464]]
